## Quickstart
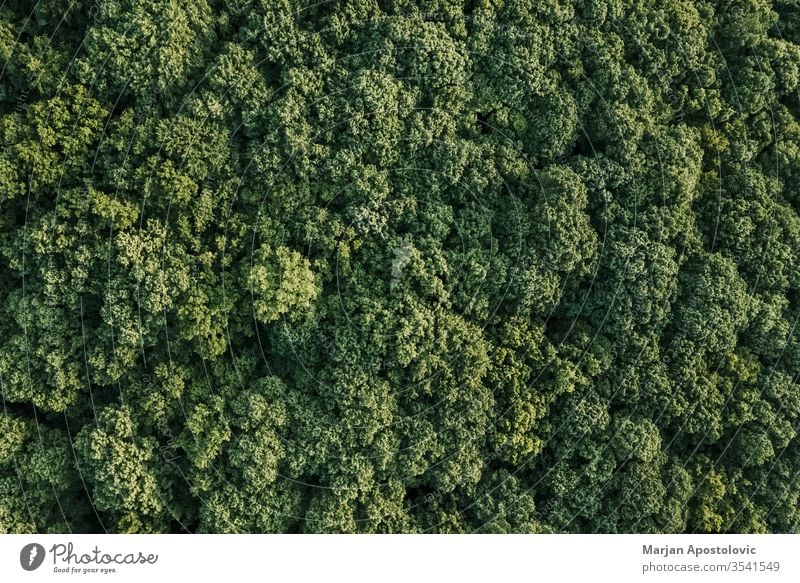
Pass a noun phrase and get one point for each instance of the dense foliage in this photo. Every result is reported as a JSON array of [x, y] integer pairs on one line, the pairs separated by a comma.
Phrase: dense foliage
[[399, 266]]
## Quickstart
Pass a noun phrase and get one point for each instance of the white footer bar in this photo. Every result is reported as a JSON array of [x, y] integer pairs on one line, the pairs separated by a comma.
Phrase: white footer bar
[[417, 558]]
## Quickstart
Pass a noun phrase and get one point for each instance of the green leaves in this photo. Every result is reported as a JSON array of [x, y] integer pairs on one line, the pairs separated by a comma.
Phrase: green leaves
[[149, 47], [282, 284], [125, 470], [362, 266]]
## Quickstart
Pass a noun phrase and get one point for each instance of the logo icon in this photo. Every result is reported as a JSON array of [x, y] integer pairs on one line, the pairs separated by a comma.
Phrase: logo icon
[[31, 556]]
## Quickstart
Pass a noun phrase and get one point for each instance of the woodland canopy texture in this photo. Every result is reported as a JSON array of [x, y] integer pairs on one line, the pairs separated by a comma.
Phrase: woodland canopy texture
[[389, 266]]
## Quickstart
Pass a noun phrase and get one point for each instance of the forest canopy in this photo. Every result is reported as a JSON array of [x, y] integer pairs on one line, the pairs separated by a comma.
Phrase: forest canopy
[[386, 266]]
